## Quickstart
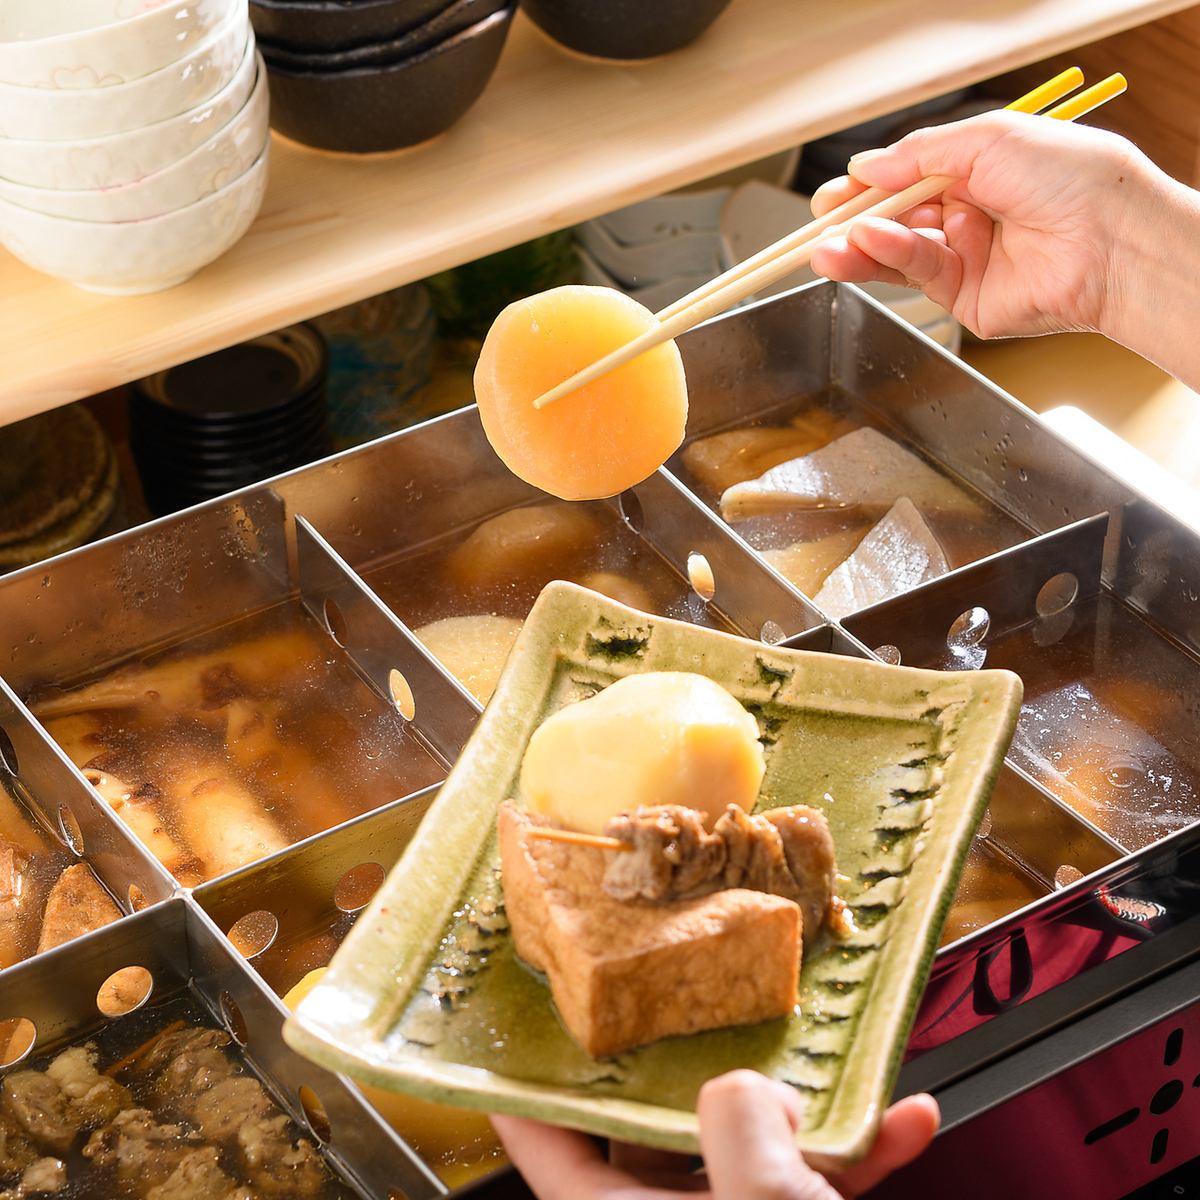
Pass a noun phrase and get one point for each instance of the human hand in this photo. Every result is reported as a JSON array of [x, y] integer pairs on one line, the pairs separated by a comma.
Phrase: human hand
[[747, 1123], [1034, 238]]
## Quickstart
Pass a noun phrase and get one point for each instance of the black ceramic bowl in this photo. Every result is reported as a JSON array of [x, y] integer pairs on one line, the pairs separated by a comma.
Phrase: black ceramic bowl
[[441, 26], [369, 109], [308, 26], [624, 29]]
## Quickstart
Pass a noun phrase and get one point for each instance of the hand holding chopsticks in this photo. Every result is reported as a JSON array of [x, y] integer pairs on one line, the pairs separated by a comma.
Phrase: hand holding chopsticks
[[794, 251]]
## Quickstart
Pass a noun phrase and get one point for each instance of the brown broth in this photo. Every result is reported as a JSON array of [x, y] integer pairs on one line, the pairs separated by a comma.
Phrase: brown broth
[[114, 1043], [425, 586], [239, 742], [992, 886], [39, 861], [1110, 722], [829, 415]]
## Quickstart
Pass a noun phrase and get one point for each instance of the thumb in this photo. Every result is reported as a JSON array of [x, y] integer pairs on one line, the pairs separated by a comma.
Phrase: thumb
[[939, 150]]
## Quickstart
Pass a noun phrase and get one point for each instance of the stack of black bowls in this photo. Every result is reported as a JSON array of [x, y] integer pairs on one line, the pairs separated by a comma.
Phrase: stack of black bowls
[[369, 75], [230, 419], [624, 30]]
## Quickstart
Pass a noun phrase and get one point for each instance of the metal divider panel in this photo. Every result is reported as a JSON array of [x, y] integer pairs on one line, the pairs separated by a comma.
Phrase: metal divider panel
[[303, 880], [1005, 586], [829, 639], [360, 1141], [748, 594], [950, 617], [755, 358], [962, 419], [1156, 570], [138, 591], [72, 812], [383, 649], [57, 990], [401, 492]]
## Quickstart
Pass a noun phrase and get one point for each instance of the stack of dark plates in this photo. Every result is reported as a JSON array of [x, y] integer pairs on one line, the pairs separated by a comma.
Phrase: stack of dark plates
[[230, 419]]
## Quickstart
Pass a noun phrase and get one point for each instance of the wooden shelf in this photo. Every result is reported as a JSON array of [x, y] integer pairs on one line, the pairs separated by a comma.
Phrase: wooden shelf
[[553, 141]]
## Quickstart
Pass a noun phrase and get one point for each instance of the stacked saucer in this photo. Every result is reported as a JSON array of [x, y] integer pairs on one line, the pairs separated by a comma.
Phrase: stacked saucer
[[58, 485], [230, 419]]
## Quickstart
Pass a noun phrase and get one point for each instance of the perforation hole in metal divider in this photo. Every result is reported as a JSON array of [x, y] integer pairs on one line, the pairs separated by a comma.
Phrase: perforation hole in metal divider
[[402, 695], [8, 755], [124, 991], [17, 1037], [1057, 594], [68, 826], [772, 633], [357, 887], [254, 933], [315, 1115], [700, 576], [335, 622], [231, 1017], [887, 653], [630, 508]]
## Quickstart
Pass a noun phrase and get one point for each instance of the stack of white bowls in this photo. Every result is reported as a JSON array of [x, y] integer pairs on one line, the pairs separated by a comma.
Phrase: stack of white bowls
[[133, 137]]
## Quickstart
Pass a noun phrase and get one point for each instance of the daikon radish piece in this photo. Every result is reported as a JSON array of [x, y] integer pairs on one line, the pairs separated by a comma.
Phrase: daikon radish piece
[[668, 737], [723, 459], [602, 438], [473, 649], [538, 542], [899, 553], [224, 823], [619, 588], [808, 564], [287, 771], [137, 806], [863, 469]]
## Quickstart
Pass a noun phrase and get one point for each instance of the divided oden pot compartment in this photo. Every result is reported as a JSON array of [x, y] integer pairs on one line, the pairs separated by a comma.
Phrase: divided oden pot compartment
[[327, 628]]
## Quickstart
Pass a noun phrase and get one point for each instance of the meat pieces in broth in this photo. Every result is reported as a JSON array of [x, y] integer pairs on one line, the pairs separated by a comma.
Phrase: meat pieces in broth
[[186, 1123]]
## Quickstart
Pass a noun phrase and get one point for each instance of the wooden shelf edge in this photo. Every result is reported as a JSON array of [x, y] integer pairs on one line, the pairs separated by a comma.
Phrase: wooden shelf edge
[[553, 142]]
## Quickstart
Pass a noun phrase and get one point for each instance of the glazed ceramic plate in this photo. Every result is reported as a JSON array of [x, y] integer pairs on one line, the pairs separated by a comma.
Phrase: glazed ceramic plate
[[427, 997]]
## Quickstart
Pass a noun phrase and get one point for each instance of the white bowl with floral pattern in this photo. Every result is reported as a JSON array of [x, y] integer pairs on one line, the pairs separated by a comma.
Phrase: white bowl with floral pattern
[[131, 257], [214, 163], [67, 114], [98, 43], [121, 158]]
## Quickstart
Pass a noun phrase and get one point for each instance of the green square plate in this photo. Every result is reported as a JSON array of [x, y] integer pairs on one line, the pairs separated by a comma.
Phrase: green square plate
[[427, 997]]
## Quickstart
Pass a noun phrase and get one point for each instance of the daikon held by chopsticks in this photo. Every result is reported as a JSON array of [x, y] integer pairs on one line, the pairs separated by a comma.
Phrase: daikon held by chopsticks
[[791, 253], [608, 436]]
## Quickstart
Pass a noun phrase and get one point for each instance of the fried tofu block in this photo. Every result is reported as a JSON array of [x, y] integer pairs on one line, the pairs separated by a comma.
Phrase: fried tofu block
[[624, 974]]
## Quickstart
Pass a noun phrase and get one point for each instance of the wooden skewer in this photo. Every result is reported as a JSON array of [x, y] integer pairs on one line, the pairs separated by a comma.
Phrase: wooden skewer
[[793, 252], [574, 838]]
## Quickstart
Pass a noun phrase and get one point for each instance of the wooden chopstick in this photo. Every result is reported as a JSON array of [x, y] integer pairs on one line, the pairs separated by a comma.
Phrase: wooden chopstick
[[574, 838], [791, 253], [1032, 102]]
